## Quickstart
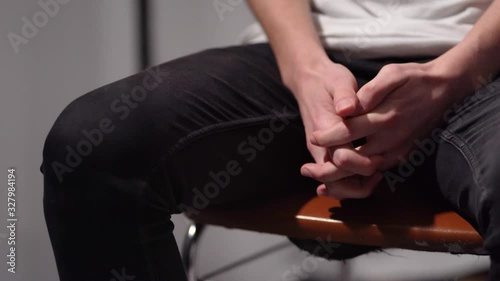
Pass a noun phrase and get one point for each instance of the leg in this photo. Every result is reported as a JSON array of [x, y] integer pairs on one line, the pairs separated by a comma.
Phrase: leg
[[468, 167], [211, 128], [199, 130]]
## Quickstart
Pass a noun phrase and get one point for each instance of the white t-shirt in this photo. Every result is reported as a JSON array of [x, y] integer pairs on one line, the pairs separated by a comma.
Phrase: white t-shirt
[[388, 28]]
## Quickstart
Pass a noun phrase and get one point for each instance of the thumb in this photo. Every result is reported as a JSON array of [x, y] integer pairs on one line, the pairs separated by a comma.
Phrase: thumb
[[345, 102], [389, 79]]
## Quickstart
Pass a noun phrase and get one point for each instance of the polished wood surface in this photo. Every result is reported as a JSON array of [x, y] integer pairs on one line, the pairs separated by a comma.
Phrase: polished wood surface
[[404, 219]]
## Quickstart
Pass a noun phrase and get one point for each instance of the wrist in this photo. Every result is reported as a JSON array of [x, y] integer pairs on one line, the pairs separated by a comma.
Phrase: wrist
[[455, 74], [466, 66], [293, 70]]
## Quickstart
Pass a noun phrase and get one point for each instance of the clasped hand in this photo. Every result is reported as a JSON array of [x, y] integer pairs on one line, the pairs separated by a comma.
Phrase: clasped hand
[[403, 103]]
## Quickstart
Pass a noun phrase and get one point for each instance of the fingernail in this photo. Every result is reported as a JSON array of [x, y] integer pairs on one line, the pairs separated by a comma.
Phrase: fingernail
[[313, 140], [305, 172], [344, 104], [322, 191]]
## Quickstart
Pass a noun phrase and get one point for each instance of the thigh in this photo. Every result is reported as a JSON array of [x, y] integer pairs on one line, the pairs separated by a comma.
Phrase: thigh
[[467, 164], [213, 126], [240, 135], [255, 147]]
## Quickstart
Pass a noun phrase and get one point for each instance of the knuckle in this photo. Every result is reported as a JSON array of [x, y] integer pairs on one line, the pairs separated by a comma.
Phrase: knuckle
[[344, 132], [321, 139], [391, 69], [391, 118], [369, 87], [340, 158]]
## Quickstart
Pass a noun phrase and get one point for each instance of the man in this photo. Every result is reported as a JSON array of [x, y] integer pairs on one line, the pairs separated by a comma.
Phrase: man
[[234, 124]]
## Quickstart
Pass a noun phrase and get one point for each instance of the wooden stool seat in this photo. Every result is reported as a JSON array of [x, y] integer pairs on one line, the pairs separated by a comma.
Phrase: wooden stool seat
[[405, 220]]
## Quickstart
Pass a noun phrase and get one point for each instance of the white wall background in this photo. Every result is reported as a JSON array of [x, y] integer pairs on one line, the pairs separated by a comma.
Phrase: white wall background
[[89, 43]]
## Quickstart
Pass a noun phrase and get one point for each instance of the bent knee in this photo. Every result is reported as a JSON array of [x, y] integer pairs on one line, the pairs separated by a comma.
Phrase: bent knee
[[75, 135]]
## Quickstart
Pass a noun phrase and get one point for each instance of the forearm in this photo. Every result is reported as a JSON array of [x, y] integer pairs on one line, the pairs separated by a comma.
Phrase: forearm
[[477, 58], [291, 32]]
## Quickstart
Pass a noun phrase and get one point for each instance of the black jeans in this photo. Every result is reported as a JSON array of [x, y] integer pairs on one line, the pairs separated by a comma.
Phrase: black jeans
[[211, 128]]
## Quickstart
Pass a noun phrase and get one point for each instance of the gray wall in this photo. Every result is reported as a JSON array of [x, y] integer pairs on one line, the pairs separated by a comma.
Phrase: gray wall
[[83, 46], [89, 43], [183, 27]]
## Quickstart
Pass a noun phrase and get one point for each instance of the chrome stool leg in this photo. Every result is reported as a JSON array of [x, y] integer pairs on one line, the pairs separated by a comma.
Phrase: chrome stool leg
[[189, 249]]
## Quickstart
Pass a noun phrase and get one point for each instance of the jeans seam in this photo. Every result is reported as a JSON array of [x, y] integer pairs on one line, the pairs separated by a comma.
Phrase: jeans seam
[[465, 150], [221, 127]]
